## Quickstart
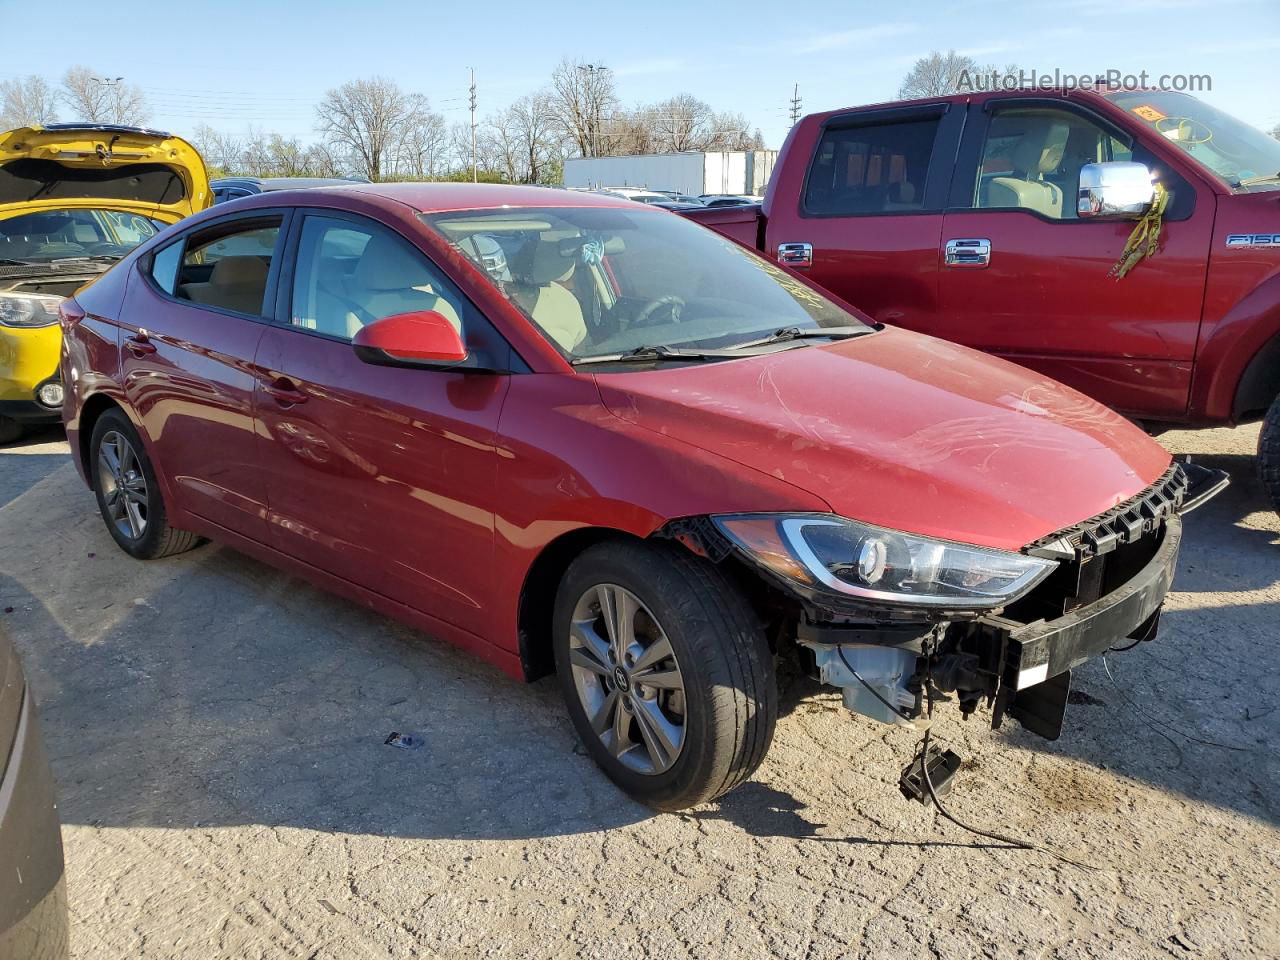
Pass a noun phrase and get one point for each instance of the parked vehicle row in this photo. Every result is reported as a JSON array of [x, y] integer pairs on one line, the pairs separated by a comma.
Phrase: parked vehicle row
[[993, 220], [587, 435]]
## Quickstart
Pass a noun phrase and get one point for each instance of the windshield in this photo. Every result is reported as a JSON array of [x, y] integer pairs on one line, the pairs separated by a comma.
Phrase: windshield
[[1230, 148], [603, 280], [67, 234]]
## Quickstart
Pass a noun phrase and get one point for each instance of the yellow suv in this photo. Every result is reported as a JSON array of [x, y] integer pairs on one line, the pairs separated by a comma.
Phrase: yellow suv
[[74, 199]]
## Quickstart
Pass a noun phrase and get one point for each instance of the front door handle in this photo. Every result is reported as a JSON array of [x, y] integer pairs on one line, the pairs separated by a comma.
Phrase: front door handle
[[972, 252], [139, 344], [284, 391]]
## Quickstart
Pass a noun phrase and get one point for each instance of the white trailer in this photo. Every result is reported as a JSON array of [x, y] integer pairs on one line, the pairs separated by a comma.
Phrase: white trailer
[[715, 171]]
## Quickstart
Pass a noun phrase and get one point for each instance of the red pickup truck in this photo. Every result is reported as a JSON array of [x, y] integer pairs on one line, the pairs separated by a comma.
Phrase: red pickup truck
[[995, 220]]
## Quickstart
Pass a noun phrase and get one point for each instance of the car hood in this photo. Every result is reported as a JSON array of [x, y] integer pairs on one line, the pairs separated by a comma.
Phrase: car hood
[[68, 166], [905, 431]]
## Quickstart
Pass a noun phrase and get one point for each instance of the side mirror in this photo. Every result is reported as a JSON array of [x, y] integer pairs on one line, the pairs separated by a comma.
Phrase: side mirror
[[423, 338], [1118, 189]]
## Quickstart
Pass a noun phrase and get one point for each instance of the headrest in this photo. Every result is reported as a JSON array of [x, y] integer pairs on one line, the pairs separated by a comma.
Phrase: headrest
[[1026, 155], [239, 272], [542, 261], [388, 264]]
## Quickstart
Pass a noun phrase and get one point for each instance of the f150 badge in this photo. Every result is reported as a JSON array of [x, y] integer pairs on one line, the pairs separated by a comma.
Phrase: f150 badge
[[1253, 240]]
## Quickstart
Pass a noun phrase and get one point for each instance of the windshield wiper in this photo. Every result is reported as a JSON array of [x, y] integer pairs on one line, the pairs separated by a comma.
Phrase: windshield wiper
[[8, 262], [654, 352], [806, 333], [1250, 181]]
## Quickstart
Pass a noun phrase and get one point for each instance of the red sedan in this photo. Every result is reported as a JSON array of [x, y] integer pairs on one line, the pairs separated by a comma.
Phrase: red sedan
[[572, 433]]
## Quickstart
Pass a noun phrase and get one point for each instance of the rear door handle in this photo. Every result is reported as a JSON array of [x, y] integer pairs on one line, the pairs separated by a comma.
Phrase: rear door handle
[[971, 252], [139, 344], [798, 256], [284, 391]]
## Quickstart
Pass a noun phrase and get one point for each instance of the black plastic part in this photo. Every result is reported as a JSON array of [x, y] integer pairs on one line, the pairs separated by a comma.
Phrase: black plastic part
[[1041, 708], [1203, 485], [942, 768]]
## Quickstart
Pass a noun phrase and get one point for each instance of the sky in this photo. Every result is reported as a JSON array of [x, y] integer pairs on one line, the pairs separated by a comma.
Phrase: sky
[[236, 63]]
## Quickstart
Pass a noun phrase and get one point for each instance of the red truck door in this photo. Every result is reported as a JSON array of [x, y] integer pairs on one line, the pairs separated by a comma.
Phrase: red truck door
[[1021, 276], [869, 211]]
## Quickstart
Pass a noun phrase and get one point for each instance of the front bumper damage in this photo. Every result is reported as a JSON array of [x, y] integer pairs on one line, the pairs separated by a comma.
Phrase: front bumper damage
[[1115, 571]]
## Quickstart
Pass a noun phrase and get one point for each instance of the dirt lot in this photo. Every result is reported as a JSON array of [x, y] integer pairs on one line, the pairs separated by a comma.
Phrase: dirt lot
[[217, 733]]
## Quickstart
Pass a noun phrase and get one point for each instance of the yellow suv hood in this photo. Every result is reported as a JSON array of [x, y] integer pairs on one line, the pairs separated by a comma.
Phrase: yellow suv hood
[[75, 165]]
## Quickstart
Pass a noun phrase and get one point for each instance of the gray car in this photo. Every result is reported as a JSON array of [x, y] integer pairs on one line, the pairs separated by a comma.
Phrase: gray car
[[33, 899]]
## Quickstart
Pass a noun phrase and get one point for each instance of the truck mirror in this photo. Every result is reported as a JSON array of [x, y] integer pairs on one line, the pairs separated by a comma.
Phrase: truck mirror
[[1117, 189]]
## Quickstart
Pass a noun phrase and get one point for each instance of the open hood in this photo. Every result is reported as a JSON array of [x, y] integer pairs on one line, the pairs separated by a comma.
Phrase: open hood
[[907, 432], [77, 165]]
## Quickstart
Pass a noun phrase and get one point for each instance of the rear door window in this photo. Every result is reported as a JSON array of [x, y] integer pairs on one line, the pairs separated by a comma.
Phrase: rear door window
[[872, 169], [226, 266]]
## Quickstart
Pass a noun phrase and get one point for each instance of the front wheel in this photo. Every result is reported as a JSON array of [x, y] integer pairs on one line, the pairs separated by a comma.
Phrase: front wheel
[[129, 494], [665, 672], [1269, 453]]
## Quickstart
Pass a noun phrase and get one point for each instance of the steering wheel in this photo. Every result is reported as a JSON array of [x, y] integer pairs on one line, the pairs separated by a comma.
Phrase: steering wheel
[[1189, 132], [671, 301]]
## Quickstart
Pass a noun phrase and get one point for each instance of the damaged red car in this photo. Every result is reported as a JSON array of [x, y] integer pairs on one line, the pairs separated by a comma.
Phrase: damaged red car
[[574, 434]]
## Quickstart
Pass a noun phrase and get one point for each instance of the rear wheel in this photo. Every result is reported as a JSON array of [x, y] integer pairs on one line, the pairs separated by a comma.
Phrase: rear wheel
[[10, 430], [128, 493], [665, 672], [1269, 453]]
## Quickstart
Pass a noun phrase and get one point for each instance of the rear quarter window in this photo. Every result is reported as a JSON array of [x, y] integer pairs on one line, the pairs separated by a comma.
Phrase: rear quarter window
[[164, 266]]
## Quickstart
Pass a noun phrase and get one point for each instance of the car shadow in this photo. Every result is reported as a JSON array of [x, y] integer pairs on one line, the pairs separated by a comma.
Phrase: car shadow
[[21, 468], [271, 702], [1194, 712]]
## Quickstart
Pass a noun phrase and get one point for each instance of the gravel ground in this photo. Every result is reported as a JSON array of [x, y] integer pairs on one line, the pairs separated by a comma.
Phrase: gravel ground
[[217, 733]]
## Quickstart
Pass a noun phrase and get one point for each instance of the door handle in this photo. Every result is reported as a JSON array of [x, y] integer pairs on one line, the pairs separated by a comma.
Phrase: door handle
[[798, 256], [139, 344], [284, 391], [973, 252]]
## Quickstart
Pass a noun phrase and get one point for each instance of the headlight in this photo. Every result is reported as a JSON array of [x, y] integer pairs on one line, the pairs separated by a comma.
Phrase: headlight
[[28, 309], [830, 553]]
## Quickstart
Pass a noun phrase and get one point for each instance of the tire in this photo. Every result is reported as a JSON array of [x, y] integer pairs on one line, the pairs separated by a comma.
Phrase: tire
[[1269, 453], [137, 520], [10, 430], [727, 698]]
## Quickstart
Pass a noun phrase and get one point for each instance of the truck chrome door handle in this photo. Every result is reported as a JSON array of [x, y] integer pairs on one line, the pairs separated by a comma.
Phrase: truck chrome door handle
[[974, 252], [796, 255]]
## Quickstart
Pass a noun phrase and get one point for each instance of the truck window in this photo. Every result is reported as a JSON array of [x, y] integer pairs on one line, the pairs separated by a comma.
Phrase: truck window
[[870, 169], [1032, 158]]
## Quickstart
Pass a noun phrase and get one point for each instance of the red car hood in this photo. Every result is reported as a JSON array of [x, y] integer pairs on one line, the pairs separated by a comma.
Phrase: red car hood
[[905, 431]]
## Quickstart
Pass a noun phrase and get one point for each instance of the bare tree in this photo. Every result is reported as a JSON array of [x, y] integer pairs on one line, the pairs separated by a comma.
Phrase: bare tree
[[732, 131], [532, 122], [222, 152], [581, 95], [367, 118], [1275, 131], [424, 145], [27, 102], [936, 75], [681, 123], [96, 99]]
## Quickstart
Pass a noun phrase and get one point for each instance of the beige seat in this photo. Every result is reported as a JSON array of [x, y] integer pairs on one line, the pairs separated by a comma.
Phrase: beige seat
[[537, 273], [389, 278], [236, 283], [1038, 152]]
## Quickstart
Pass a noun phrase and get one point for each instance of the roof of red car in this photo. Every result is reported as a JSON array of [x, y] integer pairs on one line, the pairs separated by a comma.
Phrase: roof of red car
[[436, 197]]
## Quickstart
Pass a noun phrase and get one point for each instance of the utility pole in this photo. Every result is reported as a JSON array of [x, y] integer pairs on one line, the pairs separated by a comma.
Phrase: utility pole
[[474, 174], [796, 105], [591, 70]]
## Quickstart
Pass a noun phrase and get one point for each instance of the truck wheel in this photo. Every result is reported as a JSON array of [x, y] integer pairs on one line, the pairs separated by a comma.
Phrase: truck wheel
[[128, 493], [1269, 453], [10, 430], [665, 672]]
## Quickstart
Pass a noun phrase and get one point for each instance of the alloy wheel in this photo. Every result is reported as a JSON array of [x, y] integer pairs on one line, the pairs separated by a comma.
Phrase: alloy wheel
[[627, 679], [123, 485]]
